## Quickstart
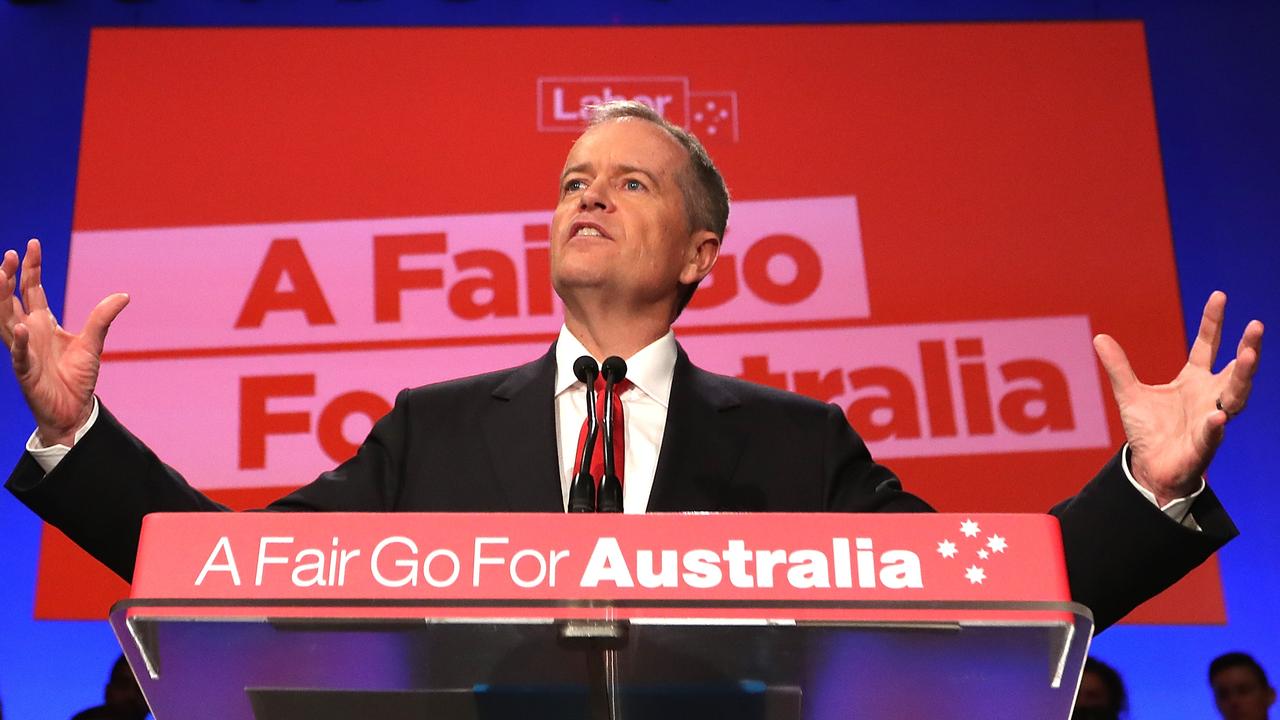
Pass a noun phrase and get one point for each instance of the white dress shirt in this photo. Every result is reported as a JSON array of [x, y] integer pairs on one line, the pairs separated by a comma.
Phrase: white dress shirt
[[644, 412]]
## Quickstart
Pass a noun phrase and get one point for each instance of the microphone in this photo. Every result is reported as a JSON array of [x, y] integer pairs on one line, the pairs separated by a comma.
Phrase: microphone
[[609, 498], [582, 492]]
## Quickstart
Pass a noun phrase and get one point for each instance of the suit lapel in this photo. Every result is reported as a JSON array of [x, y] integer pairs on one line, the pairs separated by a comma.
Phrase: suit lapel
[[701, 444], [520, 434]]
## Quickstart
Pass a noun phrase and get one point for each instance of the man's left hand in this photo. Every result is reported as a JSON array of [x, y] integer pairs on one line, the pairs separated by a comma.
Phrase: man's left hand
[[1174, 429]]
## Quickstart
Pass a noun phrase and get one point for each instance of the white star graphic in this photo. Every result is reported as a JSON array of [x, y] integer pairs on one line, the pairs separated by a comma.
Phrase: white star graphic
[[947, 549], [975, 575], [997, 543], [983, 554], [969, 528]]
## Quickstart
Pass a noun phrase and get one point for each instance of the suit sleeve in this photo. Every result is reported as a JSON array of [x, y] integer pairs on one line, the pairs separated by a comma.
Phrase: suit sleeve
[[855, 482], [99, 493], [1121, 550]]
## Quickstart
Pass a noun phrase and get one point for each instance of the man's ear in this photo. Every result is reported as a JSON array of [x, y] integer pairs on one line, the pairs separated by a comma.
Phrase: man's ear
[[704, 249]]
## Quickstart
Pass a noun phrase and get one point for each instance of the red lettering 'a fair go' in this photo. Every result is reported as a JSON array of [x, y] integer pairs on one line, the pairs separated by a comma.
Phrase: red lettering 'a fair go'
[[779, 269]]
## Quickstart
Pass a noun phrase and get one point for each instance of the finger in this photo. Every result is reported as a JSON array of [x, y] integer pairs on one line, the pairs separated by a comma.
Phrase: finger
[[1116, 363], [1239, 381], [1251, 338], [1205, 347], [1240, 372], [10, 307], [8, 270], [10, 315], [100, 319], [8, 279], [21, 359], [1211, 435], [32, 291]]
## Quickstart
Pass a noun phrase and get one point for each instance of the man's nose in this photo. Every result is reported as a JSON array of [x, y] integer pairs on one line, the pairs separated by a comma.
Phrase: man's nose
[[596, 196]]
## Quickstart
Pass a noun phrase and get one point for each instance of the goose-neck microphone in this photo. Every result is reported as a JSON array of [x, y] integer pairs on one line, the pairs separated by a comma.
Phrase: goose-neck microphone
[[582, 491], [609, 497]]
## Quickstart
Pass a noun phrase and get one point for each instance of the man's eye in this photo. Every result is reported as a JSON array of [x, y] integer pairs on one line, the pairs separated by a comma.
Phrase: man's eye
[[633, 184], [574, 185]]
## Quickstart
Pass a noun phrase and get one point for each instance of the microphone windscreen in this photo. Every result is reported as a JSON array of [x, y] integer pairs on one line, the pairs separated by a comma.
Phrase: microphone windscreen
[[614, 369], [585, 369]]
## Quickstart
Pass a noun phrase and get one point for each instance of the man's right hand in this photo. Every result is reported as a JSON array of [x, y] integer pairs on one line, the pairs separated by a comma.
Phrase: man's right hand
[[56, 370]]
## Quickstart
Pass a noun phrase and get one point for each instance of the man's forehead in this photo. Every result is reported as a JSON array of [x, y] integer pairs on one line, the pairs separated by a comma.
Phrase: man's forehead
[[626, 142]]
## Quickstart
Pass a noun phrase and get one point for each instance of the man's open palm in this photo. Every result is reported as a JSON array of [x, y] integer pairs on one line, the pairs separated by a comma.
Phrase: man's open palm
[[1174, 429], [56, 370]]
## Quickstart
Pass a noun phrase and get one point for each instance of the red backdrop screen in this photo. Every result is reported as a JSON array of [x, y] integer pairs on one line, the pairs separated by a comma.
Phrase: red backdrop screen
[[929, 224]]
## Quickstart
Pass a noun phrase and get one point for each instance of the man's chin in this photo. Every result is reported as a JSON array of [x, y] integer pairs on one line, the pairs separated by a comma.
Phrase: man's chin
[[580, 271], [571, 286], [572, 282]]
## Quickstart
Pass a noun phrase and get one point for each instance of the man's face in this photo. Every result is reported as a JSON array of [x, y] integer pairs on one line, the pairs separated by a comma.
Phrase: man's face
[[621, 225], [1240, 694]]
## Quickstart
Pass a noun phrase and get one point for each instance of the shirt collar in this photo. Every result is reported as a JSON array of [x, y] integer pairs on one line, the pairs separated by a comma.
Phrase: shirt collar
[[650, 369]]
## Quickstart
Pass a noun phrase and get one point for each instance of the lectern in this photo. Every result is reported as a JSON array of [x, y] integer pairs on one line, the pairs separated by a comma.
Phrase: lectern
[[275, 616]]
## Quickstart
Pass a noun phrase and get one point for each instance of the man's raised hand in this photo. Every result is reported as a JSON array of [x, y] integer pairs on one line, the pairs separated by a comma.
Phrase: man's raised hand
[[56, 370], [1174, 429]]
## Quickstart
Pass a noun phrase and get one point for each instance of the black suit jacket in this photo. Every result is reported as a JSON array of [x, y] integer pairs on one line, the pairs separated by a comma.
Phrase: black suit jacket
[[487, 443]]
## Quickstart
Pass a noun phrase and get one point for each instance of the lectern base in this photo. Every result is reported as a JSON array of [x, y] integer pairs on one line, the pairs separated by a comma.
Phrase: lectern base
[[290, 704], [747, 702]]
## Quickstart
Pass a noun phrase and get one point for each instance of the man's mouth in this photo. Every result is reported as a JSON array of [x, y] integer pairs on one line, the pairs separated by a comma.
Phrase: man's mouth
[[586, 229]]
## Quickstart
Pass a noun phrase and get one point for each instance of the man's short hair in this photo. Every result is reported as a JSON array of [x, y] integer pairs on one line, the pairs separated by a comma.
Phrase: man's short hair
[[706, 197], [1238, 659]]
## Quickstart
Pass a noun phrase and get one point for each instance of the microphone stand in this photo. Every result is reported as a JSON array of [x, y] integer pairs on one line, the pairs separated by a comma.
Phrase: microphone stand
[[582, 492], [609, 498], [601, 638]]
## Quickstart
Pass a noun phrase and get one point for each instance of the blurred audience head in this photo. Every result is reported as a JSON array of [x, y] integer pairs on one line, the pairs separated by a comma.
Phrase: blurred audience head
[[1240, 687], [1102, 695], [122, 698], [122, 688]]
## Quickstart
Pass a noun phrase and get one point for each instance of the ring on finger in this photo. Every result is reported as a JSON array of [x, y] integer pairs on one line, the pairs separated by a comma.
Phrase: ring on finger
[[1230, 414]]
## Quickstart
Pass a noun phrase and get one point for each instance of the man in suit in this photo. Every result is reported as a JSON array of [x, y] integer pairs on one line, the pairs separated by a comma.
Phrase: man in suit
[[639, 222]]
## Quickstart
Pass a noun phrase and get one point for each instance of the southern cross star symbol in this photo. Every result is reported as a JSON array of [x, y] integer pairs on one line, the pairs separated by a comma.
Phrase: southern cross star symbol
[[983, 554], [975, 575], [969, 528], [947, 549], [997, 543]]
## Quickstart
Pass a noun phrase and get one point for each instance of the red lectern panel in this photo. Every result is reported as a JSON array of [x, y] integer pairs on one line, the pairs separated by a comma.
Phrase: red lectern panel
[[770, 616]]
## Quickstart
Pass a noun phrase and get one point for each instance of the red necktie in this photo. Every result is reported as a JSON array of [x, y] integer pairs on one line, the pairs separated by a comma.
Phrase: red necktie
[[619, 434]]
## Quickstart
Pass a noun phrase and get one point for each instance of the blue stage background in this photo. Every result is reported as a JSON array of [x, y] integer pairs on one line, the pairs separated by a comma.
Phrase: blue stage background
[[1213, 66]]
